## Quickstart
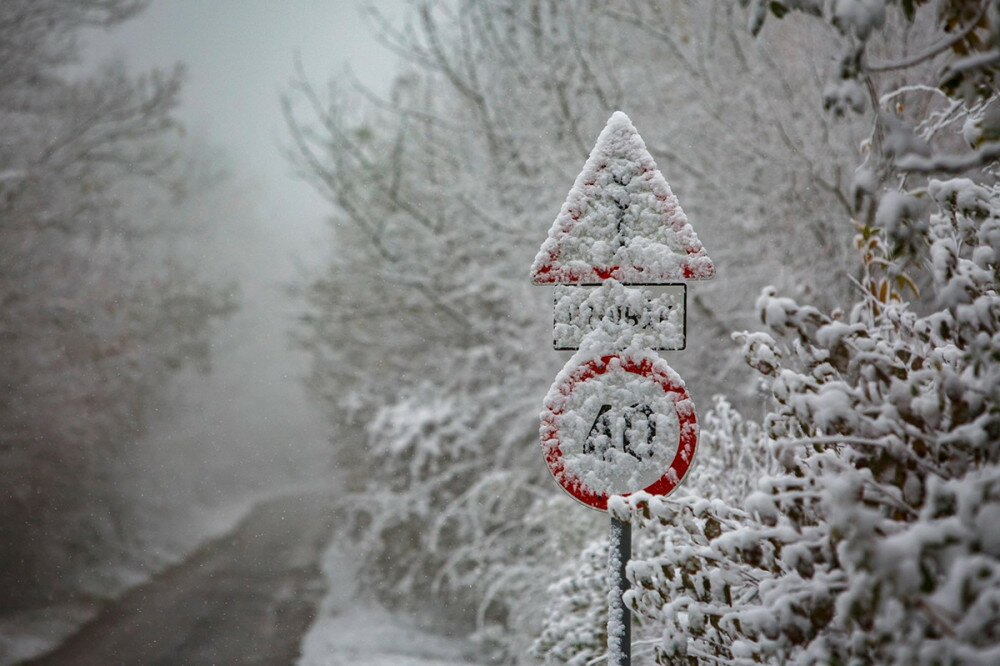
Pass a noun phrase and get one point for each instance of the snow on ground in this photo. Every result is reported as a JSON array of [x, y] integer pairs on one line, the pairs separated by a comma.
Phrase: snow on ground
[[350, 630], [28, 634]]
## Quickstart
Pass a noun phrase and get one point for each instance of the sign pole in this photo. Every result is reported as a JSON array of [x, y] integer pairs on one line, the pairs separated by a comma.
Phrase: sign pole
[[618, 300], [619, 616]]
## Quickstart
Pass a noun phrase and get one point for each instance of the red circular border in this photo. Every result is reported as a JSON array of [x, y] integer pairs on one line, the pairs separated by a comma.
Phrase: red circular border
[[594, 368]]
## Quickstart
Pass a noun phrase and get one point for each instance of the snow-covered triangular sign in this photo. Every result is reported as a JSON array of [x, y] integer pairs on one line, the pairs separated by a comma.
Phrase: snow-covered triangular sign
[[621, 221]]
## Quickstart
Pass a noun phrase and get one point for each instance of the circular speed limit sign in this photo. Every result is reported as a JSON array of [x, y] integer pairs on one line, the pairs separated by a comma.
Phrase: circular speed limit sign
[[617, 424]]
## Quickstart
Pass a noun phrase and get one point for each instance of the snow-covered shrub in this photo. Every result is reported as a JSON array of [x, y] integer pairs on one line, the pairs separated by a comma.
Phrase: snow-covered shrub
[[575, 630], [872, 540]]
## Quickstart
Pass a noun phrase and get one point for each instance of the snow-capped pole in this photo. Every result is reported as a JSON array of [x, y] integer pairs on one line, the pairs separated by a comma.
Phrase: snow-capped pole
[[618, 420]]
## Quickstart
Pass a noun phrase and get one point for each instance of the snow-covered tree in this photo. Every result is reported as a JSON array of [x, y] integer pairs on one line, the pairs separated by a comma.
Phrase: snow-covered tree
[[90, 327], [874, 540], [429, 344]]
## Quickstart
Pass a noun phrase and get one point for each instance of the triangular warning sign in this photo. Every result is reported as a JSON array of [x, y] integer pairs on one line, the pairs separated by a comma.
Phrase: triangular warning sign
[[621, 221]]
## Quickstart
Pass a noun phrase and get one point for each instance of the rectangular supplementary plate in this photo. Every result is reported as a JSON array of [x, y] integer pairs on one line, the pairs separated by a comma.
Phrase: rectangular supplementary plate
[[656, 312]]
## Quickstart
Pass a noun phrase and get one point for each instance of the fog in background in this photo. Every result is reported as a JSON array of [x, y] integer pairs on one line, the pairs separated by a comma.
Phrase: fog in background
[[153, 390], [257, 226]]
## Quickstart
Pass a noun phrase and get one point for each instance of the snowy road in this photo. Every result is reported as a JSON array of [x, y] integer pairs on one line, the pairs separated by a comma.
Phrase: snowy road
[[246, 598], [258, 595]]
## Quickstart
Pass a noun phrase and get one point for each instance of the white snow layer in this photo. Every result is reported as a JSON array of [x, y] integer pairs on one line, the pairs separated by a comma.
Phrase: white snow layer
[[353, 631], [610, 416], [621, 220], [616, 606], [656, 313]]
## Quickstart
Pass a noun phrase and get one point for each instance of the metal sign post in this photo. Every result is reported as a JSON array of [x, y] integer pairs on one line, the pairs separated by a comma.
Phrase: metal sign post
[[619, 615], [618, 419]]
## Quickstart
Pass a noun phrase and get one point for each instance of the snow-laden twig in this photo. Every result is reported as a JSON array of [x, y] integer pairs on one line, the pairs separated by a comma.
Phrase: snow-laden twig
[[935, 49]]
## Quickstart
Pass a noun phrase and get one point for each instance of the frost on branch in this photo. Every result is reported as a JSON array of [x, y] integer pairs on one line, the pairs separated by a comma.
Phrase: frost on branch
[[968, 31], [870, 537], [575, 630], [860, 525], [873, 539]]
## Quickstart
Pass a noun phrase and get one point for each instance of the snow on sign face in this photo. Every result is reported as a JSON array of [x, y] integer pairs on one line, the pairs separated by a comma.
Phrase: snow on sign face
[[616, 424], [656, 314], [621, 221]]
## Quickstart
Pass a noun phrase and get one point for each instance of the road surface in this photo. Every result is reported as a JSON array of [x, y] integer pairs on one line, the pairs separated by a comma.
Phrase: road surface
[[246, 598]]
